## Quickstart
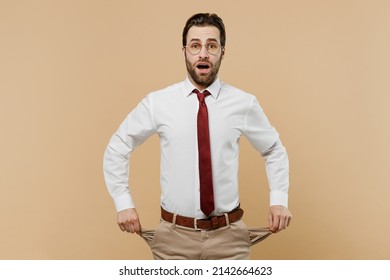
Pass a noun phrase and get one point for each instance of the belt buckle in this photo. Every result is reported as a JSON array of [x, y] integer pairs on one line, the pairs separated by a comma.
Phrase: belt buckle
[[196, 224]]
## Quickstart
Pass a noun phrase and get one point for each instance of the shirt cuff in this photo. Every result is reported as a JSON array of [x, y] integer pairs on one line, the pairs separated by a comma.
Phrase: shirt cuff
[[278, 198], [123, 202]]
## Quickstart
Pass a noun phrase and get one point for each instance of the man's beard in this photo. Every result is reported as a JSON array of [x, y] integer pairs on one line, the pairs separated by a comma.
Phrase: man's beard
[[204, 80]]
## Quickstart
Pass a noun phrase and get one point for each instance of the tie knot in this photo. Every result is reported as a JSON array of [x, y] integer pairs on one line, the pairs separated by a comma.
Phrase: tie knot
[[201, 96]]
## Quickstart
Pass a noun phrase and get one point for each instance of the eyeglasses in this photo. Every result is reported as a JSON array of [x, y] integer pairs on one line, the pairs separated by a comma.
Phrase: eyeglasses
[[195, 48]]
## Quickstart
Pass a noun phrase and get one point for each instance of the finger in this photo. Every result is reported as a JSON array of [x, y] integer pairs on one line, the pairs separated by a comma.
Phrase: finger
[[122, 227], [275, 224], [137, 228], [270, 221], [282, 223], [130, 228], [285, 223], [289, 220]]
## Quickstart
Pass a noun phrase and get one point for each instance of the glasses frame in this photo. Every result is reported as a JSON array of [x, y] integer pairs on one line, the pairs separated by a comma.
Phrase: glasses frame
[[207, 49]]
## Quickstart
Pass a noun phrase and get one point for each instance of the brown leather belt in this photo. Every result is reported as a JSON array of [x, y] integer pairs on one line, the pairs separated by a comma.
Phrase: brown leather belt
[[206, 224]]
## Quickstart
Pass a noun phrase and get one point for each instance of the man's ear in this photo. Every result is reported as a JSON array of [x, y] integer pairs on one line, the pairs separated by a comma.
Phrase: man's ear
[[223, 52]]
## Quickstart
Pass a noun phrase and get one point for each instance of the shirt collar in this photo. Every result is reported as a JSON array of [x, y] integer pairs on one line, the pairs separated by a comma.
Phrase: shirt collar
[[214, 88]]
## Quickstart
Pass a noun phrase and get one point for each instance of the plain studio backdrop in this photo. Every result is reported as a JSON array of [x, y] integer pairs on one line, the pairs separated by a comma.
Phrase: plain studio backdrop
[[70, 72]]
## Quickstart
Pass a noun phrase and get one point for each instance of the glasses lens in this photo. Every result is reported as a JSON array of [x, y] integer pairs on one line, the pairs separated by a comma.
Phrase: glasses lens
[[213, 48], [194, 48]]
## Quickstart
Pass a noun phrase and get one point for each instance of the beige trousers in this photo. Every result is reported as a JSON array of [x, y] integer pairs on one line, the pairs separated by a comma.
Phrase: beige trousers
[[232, 242]]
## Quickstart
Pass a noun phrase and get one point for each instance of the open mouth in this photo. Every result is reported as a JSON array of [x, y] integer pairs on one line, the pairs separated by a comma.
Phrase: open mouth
[[202, 66]]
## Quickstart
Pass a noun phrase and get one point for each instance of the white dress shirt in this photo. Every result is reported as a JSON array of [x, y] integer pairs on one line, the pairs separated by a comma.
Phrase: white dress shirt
[[172, 114]]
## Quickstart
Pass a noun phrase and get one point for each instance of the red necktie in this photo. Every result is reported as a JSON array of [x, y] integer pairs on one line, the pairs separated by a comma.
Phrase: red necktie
[[205, 171]]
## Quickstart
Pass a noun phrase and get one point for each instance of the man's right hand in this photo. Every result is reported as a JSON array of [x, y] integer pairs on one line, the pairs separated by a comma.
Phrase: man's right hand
[[128, 221]]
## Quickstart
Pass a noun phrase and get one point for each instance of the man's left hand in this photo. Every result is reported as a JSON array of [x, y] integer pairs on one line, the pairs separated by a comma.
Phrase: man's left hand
[[279, 218]]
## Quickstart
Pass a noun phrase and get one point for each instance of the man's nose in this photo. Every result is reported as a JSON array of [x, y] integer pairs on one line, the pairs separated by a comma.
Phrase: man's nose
[[203, 52]]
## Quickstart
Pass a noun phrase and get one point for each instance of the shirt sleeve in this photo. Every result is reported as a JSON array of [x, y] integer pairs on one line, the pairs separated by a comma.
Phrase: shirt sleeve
[[265, 139], [134, 130], [277, 169]]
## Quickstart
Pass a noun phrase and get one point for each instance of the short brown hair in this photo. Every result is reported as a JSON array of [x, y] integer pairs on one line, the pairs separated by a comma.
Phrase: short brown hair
[[204, 19]]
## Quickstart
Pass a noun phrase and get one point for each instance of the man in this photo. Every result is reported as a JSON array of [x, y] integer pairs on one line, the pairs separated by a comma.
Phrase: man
[[199, 122]]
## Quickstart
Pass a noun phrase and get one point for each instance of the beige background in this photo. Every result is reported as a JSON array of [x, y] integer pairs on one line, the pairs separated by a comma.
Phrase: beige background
[[70, 71]]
